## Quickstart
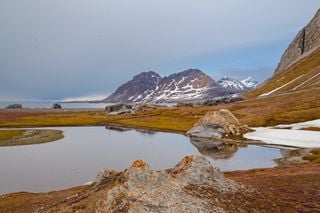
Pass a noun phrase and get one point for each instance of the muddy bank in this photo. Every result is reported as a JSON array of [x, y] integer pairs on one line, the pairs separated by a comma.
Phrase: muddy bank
[[29, 137]]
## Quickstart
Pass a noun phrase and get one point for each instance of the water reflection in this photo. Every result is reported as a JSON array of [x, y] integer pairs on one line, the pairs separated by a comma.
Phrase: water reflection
[[84, 151], [215, 149]]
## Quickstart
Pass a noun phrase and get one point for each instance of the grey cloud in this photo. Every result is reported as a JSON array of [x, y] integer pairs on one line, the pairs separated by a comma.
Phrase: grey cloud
[[54, 49]]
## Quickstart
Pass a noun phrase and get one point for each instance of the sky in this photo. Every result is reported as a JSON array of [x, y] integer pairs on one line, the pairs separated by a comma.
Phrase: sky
[[57, 49]]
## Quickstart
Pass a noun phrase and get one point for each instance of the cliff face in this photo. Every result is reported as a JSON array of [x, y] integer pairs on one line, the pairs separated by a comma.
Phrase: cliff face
[[299, 67], [306, 41]]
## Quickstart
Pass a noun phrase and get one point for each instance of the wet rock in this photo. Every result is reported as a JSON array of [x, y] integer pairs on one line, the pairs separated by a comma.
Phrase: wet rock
[[117, 128], [217, 124], [138, 189], [291, 157]]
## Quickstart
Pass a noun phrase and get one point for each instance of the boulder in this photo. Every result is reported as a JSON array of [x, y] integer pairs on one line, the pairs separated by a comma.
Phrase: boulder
[[217, 124], [117, 107], [183, 188], [56, 106], [14, 106]]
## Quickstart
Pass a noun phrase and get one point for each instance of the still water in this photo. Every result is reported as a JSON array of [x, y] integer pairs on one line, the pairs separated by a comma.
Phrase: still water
[[84, 151]]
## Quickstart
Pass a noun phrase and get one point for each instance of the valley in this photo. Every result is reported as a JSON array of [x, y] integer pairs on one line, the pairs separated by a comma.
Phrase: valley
[[184, 142]]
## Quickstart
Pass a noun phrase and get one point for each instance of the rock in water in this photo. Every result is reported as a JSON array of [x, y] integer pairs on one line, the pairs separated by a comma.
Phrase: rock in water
[[179, 189], [217, 124]]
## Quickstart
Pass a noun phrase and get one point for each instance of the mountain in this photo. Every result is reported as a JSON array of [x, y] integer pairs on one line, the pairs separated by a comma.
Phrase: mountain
[[305, 42], [249, 83], [136, 89], [299, 67], [191, 84], [231, 83]]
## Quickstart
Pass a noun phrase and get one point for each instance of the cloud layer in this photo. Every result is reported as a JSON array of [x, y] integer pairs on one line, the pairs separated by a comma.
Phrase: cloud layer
[[56, 49]]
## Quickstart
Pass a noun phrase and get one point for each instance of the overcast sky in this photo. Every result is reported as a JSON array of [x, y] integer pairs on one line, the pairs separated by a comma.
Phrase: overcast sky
[[53, 49]]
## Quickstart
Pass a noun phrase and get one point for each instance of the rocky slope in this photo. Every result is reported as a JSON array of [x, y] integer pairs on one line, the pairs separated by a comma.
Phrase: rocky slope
[[188, 85], [299, 67], [305, 42]]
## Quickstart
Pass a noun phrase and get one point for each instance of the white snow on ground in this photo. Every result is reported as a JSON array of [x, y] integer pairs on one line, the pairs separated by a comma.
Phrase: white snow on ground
[[306, 81], [275, 90], [287, 137], [313, 123]]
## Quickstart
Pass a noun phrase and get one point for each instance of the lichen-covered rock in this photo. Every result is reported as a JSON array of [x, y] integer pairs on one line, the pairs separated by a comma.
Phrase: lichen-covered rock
[[138, 189], [105, 176], [217, 124]]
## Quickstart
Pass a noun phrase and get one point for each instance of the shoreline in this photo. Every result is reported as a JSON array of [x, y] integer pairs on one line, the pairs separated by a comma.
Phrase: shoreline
[[31, 137]]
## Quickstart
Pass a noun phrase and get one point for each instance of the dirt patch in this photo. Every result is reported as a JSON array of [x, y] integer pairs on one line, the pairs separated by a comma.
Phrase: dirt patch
[[311, 128]]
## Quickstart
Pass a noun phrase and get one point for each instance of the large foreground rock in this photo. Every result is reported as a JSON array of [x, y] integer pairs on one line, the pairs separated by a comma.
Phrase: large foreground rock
[[139, 189], [217, 124]]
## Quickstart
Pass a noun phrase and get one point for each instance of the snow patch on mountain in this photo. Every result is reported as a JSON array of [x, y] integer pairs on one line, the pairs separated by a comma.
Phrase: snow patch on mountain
[[231, 83], [249, 82], [187, 85]]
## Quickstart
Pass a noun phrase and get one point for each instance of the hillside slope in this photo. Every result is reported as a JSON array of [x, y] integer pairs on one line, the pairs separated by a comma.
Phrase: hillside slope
[[299, 67]]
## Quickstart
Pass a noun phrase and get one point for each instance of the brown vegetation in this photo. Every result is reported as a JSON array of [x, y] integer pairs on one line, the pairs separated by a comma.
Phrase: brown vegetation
[[304, 75], [295, 107]]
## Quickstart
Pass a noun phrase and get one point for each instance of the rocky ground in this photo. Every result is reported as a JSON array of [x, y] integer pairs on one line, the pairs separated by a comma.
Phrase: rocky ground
[[191, 186]]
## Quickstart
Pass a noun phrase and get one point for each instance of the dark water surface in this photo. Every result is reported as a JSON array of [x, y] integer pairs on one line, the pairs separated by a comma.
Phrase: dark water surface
[[77, 158]]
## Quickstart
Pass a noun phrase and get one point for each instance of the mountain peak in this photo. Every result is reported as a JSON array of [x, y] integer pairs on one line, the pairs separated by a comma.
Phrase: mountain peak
[[249, 82], [188, 85], [148, 74], [231, 83]]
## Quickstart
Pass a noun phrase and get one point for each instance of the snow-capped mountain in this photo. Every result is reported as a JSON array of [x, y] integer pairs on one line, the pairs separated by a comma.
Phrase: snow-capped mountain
[[249, 83], [189, 85], [231, 83]]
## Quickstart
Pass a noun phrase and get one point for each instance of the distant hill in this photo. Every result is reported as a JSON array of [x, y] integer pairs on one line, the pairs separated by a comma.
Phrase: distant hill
[[299, 67], [188, 85]]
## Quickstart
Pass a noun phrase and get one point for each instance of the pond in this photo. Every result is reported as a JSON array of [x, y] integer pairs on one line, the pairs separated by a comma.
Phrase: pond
[[84, 151]]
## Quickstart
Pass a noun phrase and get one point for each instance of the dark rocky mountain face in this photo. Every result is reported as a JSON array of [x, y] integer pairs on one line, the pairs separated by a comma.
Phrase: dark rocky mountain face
[[306, 41], [140, 84], [189, 85], [299, 67]]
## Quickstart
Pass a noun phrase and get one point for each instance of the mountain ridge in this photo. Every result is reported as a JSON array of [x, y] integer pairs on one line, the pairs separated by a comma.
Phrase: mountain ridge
[[299, 66], [188, 85]]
